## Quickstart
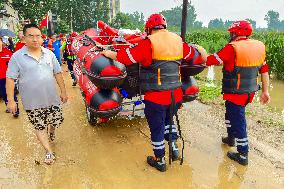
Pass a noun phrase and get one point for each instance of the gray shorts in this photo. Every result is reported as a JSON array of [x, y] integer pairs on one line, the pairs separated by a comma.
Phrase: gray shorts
[[43, 117]]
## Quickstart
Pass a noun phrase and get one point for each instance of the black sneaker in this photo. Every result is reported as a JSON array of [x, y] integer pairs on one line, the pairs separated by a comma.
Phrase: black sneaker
[[238, 157], [229, 141], [158, 163], [175, 152]]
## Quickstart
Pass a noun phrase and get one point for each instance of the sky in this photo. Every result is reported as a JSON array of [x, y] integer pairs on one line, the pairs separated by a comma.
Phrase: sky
[[207, 10]]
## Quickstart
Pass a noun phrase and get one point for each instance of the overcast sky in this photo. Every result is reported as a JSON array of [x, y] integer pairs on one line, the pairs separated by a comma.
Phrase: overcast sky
[[209, 9]]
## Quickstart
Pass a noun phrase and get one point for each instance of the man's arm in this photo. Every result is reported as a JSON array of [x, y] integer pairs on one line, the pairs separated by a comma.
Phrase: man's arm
[[110, 54], [10, 89], [264, 97], [60, 82]]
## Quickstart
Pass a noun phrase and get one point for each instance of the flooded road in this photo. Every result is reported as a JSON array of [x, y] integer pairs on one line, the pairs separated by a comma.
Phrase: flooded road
[[113, 154]]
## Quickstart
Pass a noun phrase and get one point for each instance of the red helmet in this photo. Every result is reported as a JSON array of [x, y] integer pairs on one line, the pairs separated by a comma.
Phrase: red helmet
[[242, 27], [155, 21], [74, 34]]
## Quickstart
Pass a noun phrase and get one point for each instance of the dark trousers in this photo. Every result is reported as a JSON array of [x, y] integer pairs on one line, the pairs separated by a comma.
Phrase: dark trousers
[[3, 93], [235, 121], [158, 118], [70, 63]]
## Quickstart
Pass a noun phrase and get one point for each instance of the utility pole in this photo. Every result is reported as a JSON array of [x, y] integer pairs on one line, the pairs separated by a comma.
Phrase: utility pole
[[183, 20], [50, 30]]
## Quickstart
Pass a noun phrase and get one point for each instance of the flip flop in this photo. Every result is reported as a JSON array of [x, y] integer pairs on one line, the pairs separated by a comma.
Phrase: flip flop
[[49, 158]]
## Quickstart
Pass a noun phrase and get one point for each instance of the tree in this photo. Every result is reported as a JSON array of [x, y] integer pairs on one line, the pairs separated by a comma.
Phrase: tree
[[216, 23], [253, 23], [173, 16], [122, 20], [272, 19], [82, 13], [63, 27], [228, 23], [197, 25]]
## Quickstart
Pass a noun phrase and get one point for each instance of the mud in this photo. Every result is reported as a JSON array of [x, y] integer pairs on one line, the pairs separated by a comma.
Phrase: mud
[[113, 154]]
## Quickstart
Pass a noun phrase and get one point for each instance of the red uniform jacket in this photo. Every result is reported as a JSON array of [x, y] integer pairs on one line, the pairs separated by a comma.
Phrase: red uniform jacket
[[5, 56], [227, 57], [19, 45], [142, 53]]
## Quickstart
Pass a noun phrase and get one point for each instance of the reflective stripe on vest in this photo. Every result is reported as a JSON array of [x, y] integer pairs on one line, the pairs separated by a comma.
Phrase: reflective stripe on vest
[[163, 73], [250, 56]]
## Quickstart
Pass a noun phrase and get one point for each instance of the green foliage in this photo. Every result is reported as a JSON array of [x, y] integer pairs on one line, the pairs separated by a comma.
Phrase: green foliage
[[215, 40], [216, 23], [122, 20], [208, 93], [211, 40], [129, 21], [84, 12], [173, 17], [63, 27]]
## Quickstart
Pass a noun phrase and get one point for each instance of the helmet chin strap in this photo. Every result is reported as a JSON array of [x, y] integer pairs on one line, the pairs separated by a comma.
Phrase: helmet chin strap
[[233, 36]]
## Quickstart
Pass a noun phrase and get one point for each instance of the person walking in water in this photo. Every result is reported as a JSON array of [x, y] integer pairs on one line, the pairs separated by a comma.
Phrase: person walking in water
[[242, 59], [37, 69]]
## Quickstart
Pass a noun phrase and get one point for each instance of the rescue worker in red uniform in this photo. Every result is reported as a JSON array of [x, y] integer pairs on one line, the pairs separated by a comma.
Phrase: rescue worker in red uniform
[[5, 55], [160, 56], [69, 56], [242, 60]]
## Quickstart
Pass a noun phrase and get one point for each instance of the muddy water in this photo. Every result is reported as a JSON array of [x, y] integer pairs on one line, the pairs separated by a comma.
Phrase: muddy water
[[112, 155], [276, 88]]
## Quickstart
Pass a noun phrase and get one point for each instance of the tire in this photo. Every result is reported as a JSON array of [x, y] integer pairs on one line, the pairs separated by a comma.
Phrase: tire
[[90, 117]]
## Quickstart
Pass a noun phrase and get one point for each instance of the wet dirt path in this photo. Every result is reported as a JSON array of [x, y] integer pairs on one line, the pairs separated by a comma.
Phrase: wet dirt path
[[112, 155]]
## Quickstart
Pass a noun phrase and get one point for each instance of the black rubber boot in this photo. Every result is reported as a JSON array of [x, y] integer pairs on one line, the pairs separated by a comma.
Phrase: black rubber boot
[[230, 141], [175, 152], [238, 157], [158, 163]]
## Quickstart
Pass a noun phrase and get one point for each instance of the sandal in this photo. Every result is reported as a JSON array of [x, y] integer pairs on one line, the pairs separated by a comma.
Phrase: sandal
[[49, 158]]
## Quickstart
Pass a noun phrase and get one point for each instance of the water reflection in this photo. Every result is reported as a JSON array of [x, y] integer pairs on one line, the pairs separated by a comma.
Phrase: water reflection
[[230, 175]]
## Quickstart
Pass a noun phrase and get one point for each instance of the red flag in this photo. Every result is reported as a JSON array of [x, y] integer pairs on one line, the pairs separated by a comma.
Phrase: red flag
[[44, 22]]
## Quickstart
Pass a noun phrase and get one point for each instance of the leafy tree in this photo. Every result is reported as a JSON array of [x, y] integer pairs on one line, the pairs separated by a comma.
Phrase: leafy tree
[[216, 23], [228, 23], [197, 25], [174, 15], [122, 20], [137, 20], [83, 13], [63, 27], [272, 19], [253, 23]]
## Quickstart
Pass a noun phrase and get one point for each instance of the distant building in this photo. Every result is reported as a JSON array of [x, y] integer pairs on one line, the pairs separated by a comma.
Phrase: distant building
[[9, 17], [114, 8]]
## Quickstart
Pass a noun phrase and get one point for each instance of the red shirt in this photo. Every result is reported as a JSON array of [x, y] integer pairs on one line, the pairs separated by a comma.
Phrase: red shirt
[[19, 45], [5, 56], [142, 53], [227, 55]]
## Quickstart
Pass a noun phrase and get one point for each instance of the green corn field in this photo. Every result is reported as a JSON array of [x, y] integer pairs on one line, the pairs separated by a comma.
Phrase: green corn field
[[214, 40]]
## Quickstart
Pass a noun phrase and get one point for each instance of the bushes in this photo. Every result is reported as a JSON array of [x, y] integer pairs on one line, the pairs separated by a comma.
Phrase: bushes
[[215, 40]]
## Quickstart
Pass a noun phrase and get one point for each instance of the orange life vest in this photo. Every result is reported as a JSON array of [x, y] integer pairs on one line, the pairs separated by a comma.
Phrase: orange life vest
[[163, 73], [250, 56]]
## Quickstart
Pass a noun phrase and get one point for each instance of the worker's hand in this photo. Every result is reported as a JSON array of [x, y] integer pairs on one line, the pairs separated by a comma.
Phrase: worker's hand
[[110, 54], [63, 97], [203, 52], [12, 106], [106, 53], [264, 98]]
